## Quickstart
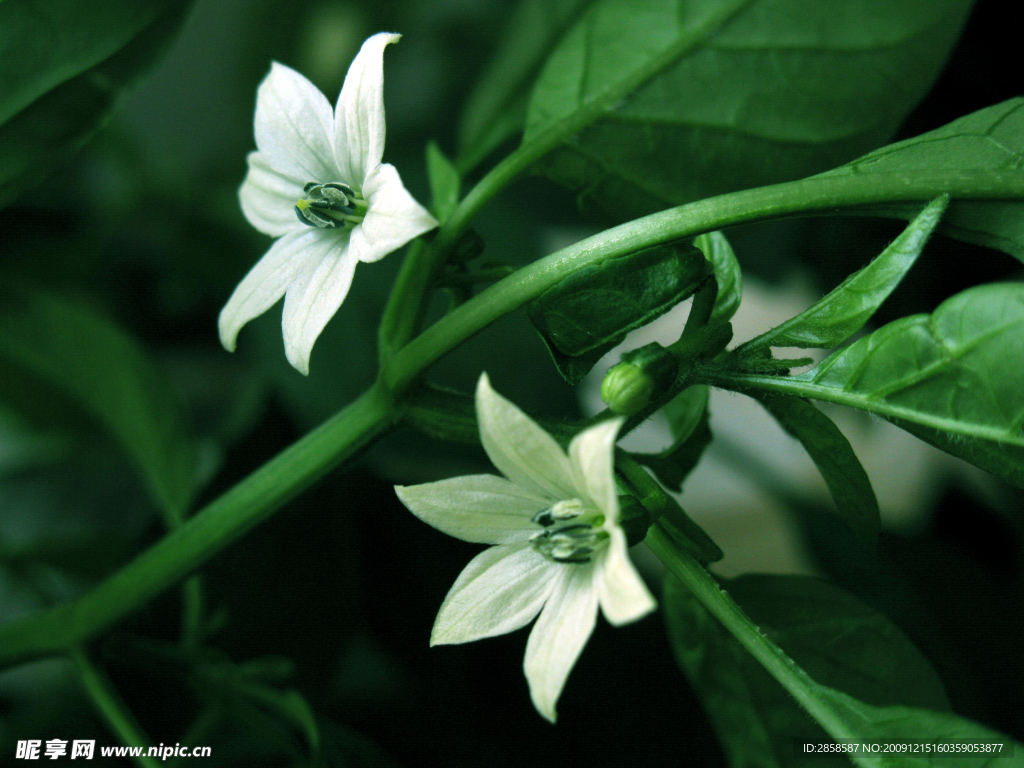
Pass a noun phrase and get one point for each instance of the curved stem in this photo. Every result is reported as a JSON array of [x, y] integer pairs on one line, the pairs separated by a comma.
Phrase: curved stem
[[809, 196], [408, 300], [268, 488]]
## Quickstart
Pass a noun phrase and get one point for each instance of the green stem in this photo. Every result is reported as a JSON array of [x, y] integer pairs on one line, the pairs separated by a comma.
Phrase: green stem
[[407, 303], [192, 613], [204, 534], [817, 195], [786, 671], [228, 517], [111, 708], [701, 308], [872, 403]]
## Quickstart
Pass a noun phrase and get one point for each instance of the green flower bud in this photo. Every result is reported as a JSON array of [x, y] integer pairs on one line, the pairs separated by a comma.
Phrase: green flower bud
[[628, 386]]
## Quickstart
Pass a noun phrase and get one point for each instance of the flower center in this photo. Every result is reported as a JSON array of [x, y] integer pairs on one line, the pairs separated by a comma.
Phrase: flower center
[[330, 206], [572, 532]]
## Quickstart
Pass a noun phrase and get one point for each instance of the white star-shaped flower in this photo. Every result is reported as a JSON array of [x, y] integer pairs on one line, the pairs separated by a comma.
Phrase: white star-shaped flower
[[554, 521], [318, 185]]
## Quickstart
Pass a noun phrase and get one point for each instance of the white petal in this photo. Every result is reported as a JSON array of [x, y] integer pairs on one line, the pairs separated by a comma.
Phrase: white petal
[[501, 590], [591, 456], [315, 296], [359, 115], [525, 453], [268, 197], [622, 593], [393, 218], [294, 126], [267, 281], [559, 635], [483, 509]]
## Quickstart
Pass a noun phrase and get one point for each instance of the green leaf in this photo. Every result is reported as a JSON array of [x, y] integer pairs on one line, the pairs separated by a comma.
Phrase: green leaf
[[828, 639], [593, 309], [65, 66], [1004, 461], [957, 370], [728, 275], [685, 411], [575, 368], [675, 463], [839, 640], [687, 535], [444, 183], [839, 315], [496, 109], [646, 105], [991, 139], [834, 457], [73, 351]]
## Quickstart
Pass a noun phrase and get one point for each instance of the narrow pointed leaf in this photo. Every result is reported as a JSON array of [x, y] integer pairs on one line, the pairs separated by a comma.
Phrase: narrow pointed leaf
[[834, 457], [646, 105], [444, 183], [66, 65], [844, 311], [75, 352], [957, 370], [674, 464]]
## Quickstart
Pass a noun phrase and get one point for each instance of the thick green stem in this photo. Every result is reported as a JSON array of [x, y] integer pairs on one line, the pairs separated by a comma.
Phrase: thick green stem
[[809, 196], [204, 534], [110, 707], [411, 292], [256, 497]]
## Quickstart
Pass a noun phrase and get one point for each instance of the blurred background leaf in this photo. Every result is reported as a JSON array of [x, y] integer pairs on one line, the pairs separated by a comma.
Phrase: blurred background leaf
[[63, 69]]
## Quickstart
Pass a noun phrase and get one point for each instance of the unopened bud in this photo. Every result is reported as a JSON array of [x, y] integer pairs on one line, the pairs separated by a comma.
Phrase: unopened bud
[[628, 386]]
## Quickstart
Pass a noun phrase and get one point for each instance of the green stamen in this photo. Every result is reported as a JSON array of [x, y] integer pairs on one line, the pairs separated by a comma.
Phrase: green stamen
[[330, 206]]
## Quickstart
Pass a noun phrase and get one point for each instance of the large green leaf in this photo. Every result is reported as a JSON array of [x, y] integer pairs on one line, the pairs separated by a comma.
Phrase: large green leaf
[[834, 457], [645, 104], [592, 310], [83, 357], [991, 139], [829, 640], [496, 109], [64, 67], [957, 370], [844, 311]]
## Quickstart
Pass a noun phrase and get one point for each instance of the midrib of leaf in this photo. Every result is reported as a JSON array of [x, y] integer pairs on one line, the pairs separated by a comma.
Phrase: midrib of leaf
[[539, 144], [950, 356], [857, 165], [804, 388]]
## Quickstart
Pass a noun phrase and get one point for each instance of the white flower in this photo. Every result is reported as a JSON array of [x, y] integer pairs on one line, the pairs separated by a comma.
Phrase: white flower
[[318, 185], [558, 544]]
